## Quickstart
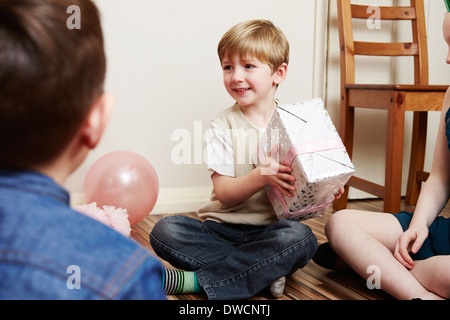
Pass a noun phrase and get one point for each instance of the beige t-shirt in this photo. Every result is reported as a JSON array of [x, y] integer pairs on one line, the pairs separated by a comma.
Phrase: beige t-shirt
[[243, 138]]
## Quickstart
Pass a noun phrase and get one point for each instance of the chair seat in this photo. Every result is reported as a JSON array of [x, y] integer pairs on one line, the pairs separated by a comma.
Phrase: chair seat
[[398, 87], [383, 96]]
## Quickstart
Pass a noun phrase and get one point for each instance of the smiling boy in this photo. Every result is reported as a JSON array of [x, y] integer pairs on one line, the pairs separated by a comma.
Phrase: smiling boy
[[238, 247]]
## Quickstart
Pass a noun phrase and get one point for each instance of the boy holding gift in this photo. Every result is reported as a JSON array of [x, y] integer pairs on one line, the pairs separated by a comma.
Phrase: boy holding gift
[[239, 247], [52, 112]]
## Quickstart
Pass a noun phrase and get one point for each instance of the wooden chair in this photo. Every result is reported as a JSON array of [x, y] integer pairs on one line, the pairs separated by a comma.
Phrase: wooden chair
[[419, 97]]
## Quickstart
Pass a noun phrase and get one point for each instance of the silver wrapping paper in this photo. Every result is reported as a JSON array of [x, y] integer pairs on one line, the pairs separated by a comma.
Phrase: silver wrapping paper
[[322, 166]]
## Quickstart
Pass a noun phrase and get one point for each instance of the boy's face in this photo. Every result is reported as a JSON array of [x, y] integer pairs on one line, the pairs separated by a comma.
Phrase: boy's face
[[249, 82]]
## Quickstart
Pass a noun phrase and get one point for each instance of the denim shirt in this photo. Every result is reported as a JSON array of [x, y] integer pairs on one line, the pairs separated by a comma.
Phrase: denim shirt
[[49, 251]]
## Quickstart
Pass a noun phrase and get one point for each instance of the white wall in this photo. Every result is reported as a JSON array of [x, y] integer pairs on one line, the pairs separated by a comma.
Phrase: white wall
[[165, 74]]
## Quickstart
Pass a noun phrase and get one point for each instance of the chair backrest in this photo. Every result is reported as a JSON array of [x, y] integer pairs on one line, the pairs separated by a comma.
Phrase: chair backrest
[[349, 48]]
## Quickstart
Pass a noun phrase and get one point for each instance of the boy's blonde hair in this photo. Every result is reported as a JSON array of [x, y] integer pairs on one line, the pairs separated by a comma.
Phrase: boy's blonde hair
[[256, 38]]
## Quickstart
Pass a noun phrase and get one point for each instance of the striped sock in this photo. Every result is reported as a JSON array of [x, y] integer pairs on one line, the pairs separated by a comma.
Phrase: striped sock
[[176, 282]]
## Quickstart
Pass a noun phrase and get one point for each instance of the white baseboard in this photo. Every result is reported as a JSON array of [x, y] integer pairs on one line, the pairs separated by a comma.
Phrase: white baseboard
[[179, 200], [170, 200]]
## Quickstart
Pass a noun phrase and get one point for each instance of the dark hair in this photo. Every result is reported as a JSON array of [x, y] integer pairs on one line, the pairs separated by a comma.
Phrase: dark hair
[[50, 76]]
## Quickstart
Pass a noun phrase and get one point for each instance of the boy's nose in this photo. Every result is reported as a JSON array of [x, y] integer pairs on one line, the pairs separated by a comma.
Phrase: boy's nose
[[447, 60], [237, 76]]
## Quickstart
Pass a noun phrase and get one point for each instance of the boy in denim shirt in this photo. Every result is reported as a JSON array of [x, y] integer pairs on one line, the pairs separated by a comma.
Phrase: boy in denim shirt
[[52, 112]]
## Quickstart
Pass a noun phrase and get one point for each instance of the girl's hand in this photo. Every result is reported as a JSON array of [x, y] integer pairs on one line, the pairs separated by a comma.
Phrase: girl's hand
[[410, 241]]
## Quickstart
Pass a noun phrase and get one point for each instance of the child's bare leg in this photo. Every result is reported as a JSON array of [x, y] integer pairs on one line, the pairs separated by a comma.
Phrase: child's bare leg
[[433, 273], [365, 239]]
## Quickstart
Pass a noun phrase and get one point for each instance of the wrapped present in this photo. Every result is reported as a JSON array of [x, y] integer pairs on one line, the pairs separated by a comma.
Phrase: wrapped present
[[309, 143]]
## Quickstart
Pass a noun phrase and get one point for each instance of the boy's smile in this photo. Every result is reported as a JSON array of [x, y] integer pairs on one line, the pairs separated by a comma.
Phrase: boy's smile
[[242, 90]]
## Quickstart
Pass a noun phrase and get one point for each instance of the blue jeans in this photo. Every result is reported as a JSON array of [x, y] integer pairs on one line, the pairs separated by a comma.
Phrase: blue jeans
[[233, 261]]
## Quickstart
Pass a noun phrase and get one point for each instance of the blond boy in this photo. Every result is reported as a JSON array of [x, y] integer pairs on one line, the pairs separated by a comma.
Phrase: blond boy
[[238, 247]]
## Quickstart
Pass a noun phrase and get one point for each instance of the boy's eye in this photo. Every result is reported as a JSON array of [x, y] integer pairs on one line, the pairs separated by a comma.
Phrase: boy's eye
[[227, 67], [249, 66]]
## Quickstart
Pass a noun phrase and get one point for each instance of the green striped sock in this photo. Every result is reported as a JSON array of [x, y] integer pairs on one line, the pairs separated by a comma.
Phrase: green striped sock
[[176, 282]]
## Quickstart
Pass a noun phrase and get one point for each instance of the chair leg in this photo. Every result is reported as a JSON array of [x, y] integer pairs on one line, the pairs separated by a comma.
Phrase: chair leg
[[346, 129], [394, 155], [418, 147]]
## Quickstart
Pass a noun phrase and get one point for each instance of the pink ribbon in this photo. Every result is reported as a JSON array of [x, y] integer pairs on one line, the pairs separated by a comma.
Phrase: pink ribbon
[[310, 147]]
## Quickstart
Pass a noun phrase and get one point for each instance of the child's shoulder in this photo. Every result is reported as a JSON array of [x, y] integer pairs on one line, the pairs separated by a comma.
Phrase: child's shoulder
[[224, 118], [228, 112]]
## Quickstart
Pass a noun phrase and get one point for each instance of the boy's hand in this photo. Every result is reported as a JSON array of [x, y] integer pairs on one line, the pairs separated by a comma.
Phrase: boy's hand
[[276, 174], [339, 194], [279, 176]]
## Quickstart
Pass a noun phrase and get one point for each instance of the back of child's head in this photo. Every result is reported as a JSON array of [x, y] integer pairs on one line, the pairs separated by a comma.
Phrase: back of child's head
[[50, 76], [256, 38]]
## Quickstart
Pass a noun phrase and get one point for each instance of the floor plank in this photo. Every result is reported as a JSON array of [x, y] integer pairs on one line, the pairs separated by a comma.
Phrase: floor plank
[[310, 283]]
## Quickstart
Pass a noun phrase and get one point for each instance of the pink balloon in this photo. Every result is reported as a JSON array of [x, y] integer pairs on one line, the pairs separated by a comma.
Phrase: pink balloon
[[125, 180]]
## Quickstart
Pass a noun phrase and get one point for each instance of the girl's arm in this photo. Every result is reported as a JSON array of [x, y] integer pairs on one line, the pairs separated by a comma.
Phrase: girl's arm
[[432, 199]]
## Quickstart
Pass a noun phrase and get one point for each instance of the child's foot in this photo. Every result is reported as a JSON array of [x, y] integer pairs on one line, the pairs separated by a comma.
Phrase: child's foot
[[178, 282], [277, 287], [327, 258]]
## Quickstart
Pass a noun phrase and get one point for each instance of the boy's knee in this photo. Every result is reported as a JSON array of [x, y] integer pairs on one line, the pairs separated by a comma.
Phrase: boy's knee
[[163, 230], [306, 242], [174, 229], [160, 226], [166, 226], [294, 229], [303, 233]]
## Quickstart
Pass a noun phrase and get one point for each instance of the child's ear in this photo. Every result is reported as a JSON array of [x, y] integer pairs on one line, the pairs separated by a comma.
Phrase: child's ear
[[280, 74], [96, 121]]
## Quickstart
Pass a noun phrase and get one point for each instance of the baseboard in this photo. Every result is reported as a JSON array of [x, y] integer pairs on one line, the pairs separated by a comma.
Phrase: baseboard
[[178, 200], [170, 200]]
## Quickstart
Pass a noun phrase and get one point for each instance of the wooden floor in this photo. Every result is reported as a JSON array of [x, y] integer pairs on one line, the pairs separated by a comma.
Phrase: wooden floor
[[310, 283]]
